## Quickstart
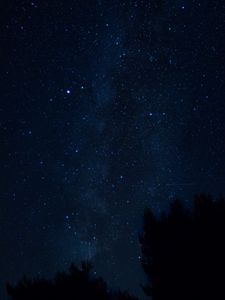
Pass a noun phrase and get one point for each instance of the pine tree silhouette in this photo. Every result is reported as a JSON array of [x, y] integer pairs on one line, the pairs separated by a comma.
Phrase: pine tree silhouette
[[183, 253], [77, 284]]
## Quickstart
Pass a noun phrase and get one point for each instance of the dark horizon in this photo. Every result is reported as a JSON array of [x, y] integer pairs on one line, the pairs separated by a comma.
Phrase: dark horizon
[[106, 107], [182, 256]]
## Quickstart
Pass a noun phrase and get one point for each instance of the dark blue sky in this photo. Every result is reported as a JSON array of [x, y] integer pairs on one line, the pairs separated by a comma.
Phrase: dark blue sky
[[106, 107]]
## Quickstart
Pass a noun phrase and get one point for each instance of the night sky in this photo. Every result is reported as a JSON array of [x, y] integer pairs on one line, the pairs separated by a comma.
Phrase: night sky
[[106, 107]]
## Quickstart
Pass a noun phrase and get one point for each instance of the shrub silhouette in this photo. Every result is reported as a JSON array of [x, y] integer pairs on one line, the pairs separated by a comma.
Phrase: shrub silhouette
[[183, 253], [77, 284]]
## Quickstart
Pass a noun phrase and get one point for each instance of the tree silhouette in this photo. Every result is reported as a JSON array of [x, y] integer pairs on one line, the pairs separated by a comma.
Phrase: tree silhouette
[[183, 252], [77, 284]]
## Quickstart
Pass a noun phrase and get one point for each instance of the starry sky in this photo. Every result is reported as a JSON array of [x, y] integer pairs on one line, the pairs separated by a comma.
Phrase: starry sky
[[106, 107]]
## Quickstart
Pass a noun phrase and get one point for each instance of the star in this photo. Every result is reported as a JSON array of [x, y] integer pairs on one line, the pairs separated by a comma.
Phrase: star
[[110, 115]]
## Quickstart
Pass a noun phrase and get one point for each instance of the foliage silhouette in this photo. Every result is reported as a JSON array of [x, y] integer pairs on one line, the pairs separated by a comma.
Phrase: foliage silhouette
[[183, 252], [77, 284]]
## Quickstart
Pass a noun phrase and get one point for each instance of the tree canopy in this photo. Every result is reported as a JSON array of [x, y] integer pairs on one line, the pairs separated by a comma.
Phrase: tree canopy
[[183, 252], [77, 284]]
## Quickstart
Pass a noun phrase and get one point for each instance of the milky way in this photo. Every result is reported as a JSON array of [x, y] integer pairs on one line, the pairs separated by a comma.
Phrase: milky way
[[106, 107]]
